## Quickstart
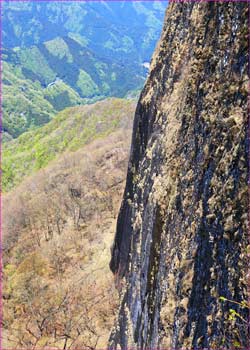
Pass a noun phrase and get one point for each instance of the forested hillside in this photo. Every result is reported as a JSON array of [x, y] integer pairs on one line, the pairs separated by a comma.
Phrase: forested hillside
[[58, 227], [70, 130], [88, 51], [114, 29]]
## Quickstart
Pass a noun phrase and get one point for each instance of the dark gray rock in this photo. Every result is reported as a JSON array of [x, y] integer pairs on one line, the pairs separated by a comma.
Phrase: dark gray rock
[[182, 240]]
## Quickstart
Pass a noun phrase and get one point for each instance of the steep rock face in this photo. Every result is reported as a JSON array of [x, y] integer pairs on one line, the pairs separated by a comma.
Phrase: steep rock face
[[181, 242]]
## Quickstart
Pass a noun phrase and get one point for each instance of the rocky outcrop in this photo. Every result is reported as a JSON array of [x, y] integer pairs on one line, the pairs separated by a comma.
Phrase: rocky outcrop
[[181, 248]]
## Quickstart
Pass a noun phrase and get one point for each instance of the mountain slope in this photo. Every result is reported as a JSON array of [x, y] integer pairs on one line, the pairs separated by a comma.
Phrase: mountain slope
[[42, 80], [68, 131], [181, 248], [86, 71], [117, 30], [58, 227], [26, 104], [88, 51]]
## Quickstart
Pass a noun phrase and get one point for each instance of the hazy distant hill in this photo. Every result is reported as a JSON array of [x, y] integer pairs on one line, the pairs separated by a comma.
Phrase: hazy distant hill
[[41, 80], [64, 54], [118, 30]]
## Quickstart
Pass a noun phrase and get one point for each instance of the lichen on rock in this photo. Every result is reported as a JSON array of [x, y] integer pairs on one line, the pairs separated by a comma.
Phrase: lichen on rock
[[181, 239]]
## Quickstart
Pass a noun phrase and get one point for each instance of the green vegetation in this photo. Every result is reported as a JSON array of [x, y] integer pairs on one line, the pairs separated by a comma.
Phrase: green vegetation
[[40, 81], [66, 60], [35, 64], [237, 311], [58, 47], [27, 104], [110, 30], [24, 102], [86, 84], [60, 95], [69, 130]]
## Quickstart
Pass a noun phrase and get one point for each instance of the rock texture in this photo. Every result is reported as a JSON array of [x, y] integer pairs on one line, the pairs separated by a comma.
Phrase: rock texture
[[182, 242]]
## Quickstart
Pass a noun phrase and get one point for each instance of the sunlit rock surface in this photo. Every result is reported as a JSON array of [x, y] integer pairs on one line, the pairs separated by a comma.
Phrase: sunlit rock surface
[[181, 244]]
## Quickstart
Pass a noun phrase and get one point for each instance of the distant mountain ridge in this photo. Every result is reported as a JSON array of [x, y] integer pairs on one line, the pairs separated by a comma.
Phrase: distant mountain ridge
[[114, 29], [41, 80], [58, 55]]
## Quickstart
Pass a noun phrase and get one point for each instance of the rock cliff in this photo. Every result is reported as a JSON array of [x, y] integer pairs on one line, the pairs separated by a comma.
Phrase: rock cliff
[[181, 249]]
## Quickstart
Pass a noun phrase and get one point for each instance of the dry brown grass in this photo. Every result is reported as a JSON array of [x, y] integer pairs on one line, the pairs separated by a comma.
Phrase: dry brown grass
[[58, 230]]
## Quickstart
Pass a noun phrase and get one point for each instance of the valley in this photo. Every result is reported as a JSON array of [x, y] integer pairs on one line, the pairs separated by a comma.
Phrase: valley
[[87, 53]]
